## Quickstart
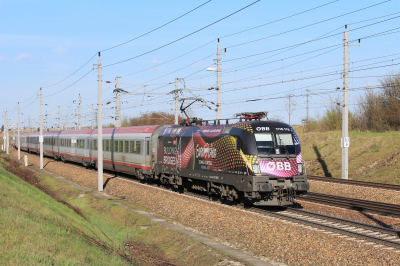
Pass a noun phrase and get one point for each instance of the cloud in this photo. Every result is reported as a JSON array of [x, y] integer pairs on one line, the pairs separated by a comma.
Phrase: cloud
[[156, 69], [199, 63], [60, 49], [155, 61], [23, 57]]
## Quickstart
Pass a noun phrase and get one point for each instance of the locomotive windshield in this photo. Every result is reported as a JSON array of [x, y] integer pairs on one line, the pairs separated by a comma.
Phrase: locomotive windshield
[[274, 143]]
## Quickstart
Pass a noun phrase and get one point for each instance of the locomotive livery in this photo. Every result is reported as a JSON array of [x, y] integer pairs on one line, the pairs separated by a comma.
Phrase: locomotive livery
[[257, 162]]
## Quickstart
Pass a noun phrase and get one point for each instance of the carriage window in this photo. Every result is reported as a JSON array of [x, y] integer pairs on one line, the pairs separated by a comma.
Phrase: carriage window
[[126, 147], [107, 145], [95, 144], [115, 145], [148, 147], [138, 151], [132, 146], [121, 146]]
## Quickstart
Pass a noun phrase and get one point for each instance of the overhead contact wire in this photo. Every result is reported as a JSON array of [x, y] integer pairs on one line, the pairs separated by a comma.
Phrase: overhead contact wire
[[156, 28], [165, 45]]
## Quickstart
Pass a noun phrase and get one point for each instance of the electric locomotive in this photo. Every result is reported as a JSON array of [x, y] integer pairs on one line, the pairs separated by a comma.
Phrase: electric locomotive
[[258, 162]]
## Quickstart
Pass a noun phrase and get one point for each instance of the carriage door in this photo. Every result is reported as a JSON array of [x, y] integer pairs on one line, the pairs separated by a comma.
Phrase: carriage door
[[89, 148], [147, 151]]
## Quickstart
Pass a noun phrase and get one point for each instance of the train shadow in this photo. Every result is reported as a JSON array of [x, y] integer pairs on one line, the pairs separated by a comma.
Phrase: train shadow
[[322, 162]]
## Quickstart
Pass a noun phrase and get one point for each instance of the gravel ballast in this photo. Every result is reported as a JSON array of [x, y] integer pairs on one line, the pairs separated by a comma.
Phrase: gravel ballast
[[373, 219], [357, 192], [280, 241]]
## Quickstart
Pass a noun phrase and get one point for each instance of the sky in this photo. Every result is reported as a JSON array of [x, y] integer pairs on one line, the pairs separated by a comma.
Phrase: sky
[[273, 49]]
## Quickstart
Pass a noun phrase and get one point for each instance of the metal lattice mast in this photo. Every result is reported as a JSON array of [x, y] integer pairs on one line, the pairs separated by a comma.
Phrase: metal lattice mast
[[75, 120], [176, 101], [218, 81], [117, 104]]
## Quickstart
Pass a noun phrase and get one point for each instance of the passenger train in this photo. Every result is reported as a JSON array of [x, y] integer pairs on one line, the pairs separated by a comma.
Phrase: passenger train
[[256, 162]]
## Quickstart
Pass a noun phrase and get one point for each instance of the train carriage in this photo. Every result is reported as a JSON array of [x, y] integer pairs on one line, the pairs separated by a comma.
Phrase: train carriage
[[50, 143], [127, 149], [257, 162], [74, 145]]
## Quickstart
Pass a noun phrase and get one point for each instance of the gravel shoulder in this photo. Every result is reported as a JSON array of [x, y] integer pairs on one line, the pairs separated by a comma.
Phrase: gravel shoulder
[[278, 240]]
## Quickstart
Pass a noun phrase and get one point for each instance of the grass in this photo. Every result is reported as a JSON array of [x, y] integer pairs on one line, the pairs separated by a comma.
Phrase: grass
[[373, 157], [46, 222]]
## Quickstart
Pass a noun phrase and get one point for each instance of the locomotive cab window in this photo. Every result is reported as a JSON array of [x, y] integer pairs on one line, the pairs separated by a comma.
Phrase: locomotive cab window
[[285, 142], [265, 143], [240, 145]]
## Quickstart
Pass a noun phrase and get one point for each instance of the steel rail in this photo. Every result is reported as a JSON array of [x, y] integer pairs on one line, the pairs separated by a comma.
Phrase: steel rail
[[375, 228], [333, 224], [343, 231], [354, 182], [387, 209]]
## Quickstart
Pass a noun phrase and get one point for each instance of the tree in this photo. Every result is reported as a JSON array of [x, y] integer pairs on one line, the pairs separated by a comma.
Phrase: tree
[[151, 118], [391, 99]]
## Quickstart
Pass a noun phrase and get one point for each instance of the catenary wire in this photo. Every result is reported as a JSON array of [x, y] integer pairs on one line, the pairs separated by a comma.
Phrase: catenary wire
[[115, 46], [165, 45]]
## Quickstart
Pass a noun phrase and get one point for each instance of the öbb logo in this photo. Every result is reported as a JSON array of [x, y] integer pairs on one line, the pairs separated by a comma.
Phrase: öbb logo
[[279, 166], [206, 152]]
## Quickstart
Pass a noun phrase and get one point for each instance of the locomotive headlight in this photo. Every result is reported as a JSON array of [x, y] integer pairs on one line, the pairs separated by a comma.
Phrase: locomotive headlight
[[300, 168], [277, 151], [256, 168]]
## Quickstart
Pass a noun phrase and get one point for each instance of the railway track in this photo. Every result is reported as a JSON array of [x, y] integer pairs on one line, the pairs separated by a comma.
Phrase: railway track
[[336, 226], [354, 182], [359, 205]]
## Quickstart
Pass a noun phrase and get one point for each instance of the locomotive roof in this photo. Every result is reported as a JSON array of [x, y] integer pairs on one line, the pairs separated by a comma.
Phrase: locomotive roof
[[272, 124]]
